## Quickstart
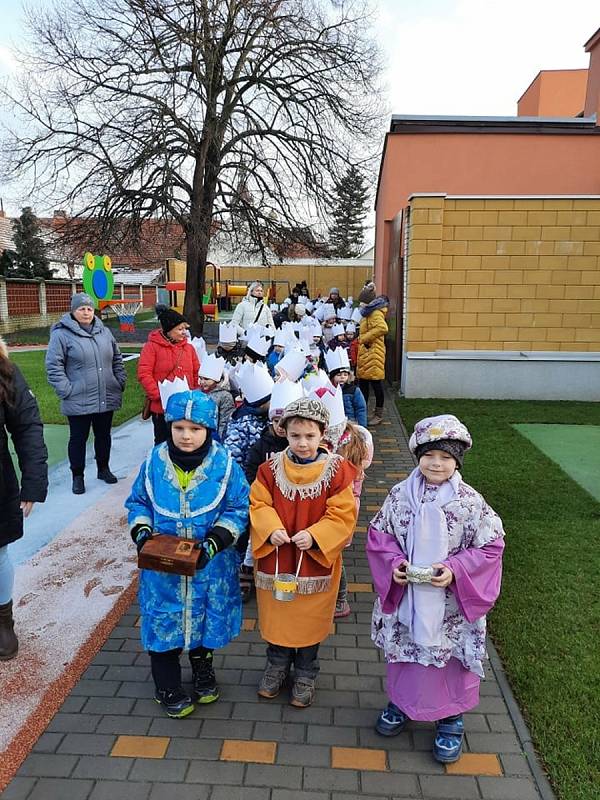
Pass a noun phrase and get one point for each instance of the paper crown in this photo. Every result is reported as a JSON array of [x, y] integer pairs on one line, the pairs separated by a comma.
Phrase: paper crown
[[167, 388], [309, 306], [228, 333], [337, 359], [292, 365], [316, 328], [258, 344], [199, 346], [212, 367], [284, 392], [333, 400], [254, 381], [356, 316], [328, 311], [306, 333], [344, 313], [281, 338], [337, 329], [274, 306], [350, 328], [303, 300], [314, 380]]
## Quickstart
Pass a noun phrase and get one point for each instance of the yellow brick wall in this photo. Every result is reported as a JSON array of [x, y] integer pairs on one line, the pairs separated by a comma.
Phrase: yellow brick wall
[[503, 274]]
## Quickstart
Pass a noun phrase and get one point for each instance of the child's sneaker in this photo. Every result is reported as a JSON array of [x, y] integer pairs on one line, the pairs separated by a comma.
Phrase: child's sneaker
[[176, 702], [205, 683], [448, 743], [391, 721], [272, 680], [342, 609], [303, 692]]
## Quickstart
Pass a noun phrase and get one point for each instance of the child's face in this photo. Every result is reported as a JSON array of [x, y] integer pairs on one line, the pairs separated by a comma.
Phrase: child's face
[[437, 466], [277, 429], [304, 436], [340, 378], [278, 348], [329, 322], [349, 337], [317, 340], [187, 436], [206, 384], [341, 338]]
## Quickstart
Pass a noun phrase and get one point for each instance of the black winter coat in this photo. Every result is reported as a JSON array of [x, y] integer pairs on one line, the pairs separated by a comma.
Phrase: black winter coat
[[22, 421], [261, 450]]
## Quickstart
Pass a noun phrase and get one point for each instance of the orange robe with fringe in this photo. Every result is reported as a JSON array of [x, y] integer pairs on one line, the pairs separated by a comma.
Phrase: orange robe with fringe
[[315, 497]]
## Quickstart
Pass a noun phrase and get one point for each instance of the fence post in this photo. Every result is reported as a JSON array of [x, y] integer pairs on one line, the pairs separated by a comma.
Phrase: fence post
[[141, 288], [3, 301], [42, 299], [73, 287]]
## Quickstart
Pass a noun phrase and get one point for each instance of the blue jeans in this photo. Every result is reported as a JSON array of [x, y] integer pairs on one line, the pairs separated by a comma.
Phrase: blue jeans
[[7, 576]]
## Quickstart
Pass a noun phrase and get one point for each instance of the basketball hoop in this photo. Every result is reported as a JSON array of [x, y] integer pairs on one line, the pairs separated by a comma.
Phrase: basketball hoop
[[125, 310]]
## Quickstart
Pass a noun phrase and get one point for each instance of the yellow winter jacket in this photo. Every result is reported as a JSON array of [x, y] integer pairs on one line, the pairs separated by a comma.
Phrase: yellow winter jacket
[[370, 363]]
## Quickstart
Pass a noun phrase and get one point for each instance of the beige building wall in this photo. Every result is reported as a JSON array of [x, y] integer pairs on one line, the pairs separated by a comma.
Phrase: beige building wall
[[503, 274]]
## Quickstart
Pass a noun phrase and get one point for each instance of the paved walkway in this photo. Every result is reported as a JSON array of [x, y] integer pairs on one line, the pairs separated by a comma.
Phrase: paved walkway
[[109, 740]]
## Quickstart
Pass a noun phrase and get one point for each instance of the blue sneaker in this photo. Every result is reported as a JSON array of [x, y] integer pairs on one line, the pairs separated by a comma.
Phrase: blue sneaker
[[391, 721], [448, 743]]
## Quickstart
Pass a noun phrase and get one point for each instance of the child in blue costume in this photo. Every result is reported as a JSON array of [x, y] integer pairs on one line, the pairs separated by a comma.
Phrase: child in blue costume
[[190, 487]]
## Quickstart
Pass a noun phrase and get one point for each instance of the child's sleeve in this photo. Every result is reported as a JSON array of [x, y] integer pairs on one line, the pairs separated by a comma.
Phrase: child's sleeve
[[385, 555], [226, 406], [263, 517], [234, 516], [360, 408], [138, 503], [332, 532]]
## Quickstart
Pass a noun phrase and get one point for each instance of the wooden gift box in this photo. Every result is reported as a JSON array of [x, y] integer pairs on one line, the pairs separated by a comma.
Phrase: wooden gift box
[[165, 553]]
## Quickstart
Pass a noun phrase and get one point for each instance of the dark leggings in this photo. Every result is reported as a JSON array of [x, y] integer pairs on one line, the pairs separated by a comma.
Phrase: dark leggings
[[365, 386], [79, 430], [166, 669]]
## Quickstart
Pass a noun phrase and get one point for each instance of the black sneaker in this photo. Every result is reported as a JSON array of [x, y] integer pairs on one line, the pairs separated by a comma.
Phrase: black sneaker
[[205, 683], [176, 702], [106, 475], [78, 484]]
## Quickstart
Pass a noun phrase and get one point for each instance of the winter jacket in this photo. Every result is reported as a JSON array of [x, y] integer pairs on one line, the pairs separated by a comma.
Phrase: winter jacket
[[204, 610], [353, 352], [85, 369], [223, 398], [22, 421], [370, 364], [231, 356], [355, 405], [273, 358], [246, 313], [245, 427], [260, 451], [162, 359]]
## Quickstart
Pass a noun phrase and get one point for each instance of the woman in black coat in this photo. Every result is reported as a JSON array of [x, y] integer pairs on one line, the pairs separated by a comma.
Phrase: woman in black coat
[[19, 417]]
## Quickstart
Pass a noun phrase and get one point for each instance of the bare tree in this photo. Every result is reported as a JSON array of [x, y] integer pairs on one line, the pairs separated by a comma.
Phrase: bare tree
[[229, 117]]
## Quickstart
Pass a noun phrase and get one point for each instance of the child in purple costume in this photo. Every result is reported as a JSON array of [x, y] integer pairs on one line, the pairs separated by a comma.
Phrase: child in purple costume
[[433, 633]]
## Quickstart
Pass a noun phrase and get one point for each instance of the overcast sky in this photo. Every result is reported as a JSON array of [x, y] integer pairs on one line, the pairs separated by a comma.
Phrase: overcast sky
[[450, 56]]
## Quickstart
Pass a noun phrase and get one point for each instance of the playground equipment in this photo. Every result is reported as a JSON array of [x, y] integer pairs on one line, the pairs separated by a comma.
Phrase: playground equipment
[[124, 309]]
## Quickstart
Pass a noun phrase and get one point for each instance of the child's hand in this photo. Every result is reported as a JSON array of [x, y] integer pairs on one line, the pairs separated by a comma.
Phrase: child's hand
[[399, 574], [303, 540], [445, 577], [279, 537]]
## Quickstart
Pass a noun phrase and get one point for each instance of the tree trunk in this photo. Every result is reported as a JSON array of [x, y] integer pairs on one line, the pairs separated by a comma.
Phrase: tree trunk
[[197, 252]]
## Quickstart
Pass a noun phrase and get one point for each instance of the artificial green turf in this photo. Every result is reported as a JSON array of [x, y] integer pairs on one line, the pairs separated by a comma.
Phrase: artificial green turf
[[32, 366], [546, 624]]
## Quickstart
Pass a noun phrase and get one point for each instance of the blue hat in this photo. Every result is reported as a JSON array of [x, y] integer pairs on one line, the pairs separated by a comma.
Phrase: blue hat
[[194, 406]]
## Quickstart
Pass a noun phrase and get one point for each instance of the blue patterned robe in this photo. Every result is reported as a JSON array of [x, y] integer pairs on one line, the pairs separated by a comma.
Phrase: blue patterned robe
[[204, 610]]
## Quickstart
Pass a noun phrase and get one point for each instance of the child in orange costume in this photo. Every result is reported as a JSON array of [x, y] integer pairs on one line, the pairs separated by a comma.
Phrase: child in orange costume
[[302, 513]]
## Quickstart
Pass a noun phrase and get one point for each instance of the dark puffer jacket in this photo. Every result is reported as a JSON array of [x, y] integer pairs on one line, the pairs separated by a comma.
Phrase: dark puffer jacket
[[261, 450], [22, 421]]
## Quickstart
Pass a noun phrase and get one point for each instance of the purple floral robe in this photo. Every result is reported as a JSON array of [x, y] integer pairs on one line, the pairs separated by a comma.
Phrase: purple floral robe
[[430, 683]]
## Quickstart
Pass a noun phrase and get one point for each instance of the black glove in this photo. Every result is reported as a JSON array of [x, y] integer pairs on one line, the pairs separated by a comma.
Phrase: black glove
[[218, 539], [140, 535]]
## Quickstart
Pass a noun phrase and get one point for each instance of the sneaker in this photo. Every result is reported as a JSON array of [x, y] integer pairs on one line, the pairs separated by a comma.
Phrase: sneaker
[[78, 484], [205, 683], [448, 742], [303, 692], [272, 680], [391, 721], [106, 475], [342, 609], [176, 702]]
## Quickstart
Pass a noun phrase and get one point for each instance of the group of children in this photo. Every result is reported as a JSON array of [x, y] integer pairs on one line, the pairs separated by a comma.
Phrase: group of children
[[277, 487]]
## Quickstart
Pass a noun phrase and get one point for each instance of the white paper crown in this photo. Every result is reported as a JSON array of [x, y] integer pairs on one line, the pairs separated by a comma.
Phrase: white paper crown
[[350, 328], [333, 400], [228, 333], [212, 367], [254, 381], [292, 365], [337, 329], [257, 343], [199, 346], [345, 313], [284, 392], [306, 334], [281, 338], [274, 306], [313, 380], [337, 359], [309, 306], [167, 388], [356, 316], [328, 311], [303, 300]]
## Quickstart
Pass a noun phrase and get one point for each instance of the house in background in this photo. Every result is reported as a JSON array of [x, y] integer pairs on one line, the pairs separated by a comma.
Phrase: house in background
[[491, 221]]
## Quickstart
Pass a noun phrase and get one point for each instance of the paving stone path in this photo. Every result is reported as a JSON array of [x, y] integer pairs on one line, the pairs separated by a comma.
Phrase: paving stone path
[[110, 741]]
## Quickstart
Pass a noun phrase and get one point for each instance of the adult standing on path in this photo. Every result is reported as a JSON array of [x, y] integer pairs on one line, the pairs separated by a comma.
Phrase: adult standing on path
[[19, 417], [252, 309], [166, 355], [85, 368], [370, 365]]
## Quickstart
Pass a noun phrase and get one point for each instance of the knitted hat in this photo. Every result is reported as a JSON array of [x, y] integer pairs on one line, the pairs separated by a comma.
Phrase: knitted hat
[[444, 432], [307, 408], [81, 299], [334, 290], [168, 317], [367, 293], [194, 406]]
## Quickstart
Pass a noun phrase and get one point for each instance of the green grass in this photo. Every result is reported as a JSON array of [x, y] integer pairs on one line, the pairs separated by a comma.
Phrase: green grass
[[546, 625], [32, 366]]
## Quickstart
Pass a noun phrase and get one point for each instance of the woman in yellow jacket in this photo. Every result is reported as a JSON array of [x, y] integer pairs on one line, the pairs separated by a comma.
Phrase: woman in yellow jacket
[[370, 365]]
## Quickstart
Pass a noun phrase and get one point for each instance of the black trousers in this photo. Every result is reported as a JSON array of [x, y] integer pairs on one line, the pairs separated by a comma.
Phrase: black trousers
[[365, 386], [304, 659], [79, 427], [166, 668], [161, 429]]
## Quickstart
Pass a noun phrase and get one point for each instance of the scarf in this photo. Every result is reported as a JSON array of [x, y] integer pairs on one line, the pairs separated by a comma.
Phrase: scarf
[[189, 462], [423, 606]]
